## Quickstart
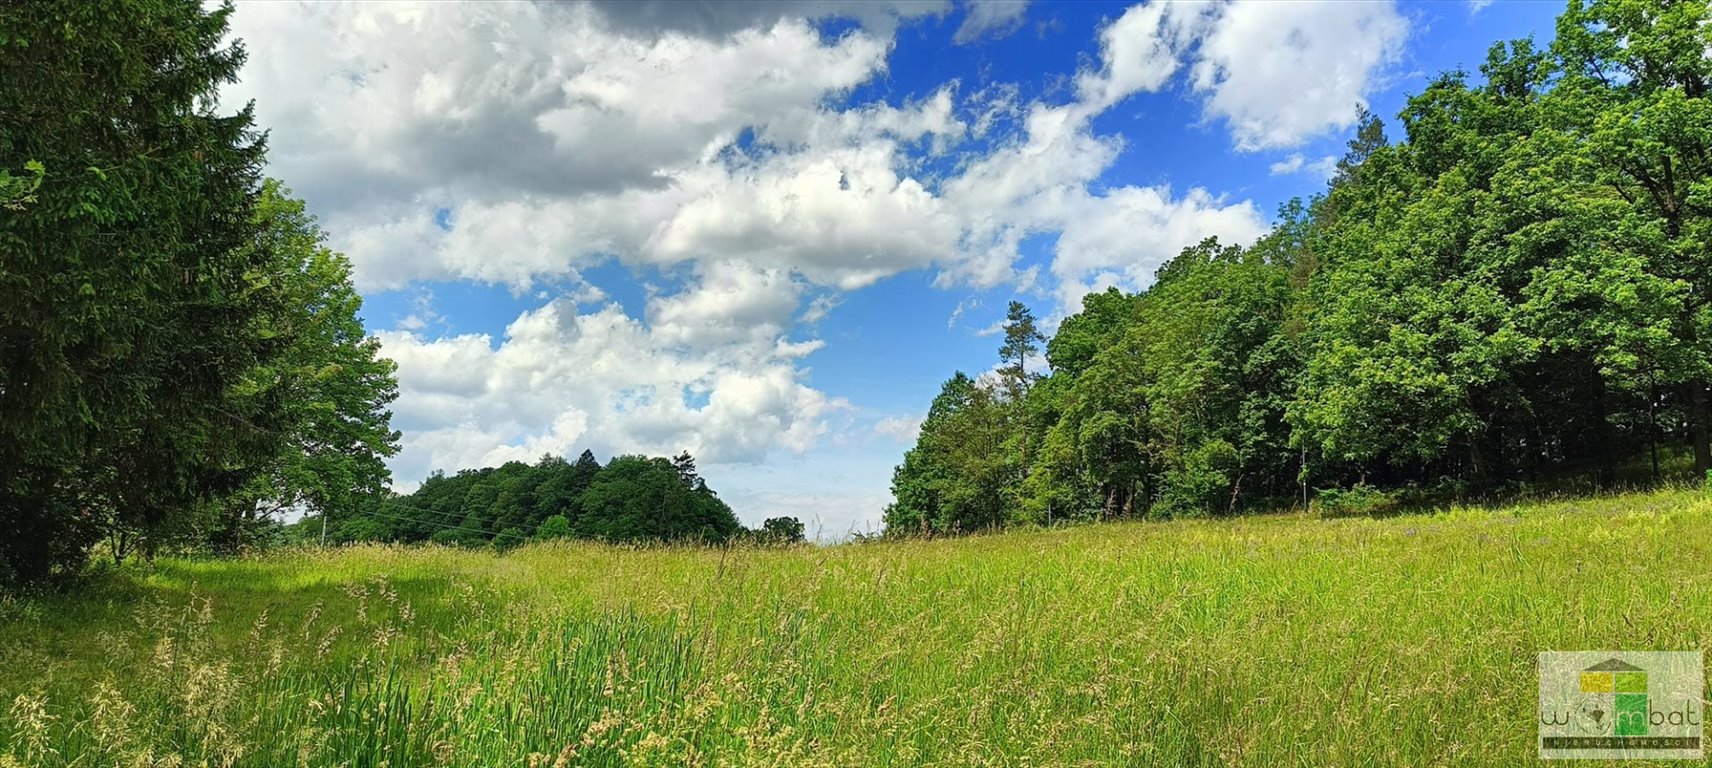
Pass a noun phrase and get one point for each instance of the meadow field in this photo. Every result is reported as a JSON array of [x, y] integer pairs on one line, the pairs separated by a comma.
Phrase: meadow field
[[1266, 641]]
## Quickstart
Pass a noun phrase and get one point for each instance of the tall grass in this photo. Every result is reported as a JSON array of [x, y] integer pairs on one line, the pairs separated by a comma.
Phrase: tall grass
[[1268, 641]]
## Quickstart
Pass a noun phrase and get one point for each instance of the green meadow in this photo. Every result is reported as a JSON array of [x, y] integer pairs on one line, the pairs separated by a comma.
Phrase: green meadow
[[1266, 641]]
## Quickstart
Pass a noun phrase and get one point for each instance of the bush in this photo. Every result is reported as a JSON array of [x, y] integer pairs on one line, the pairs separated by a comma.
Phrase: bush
[[554, 527], [1356, 501]]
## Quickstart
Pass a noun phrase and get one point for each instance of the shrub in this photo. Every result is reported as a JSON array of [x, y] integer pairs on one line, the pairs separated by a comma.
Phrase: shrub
[[1355, 501], [554, 527]]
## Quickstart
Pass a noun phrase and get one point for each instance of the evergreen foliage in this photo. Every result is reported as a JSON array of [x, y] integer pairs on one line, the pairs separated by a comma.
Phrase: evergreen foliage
[[178, 354]]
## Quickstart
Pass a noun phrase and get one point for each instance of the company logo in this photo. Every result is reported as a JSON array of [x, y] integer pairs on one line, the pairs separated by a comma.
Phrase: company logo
[[1621, 705]]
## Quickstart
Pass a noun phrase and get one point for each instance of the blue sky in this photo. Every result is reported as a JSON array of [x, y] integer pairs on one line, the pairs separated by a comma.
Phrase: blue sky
[[766, 232]]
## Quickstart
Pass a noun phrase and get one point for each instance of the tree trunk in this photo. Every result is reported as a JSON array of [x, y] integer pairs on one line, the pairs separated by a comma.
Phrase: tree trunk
[[1699, 415], [1652, 427], [1608, 442]]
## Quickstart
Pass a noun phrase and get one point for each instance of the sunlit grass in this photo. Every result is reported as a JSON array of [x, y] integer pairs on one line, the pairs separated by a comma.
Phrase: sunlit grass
[[1278, 640]]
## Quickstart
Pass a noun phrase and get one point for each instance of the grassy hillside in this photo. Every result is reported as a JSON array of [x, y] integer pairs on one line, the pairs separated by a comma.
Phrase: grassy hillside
[[1261, 641]]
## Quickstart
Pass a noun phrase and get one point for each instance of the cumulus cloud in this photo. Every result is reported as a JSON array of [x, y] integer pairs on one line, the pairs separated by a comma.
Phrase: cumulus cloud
[[1040, 183], [819, 308], [1099, 248], [1277, 73], [903, 429], [733, 304], [560, 380], [1139, 52], [842, 217], [983, 19], [548, 141], [406, 107], [523, 142], [1295, 163], [714, 19]]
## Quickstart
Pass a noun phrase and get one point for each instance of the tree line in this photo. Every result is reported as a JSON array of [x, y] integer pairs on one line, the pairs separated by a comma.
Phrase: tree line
[[1514, 294], [180, 354], [630, 499]]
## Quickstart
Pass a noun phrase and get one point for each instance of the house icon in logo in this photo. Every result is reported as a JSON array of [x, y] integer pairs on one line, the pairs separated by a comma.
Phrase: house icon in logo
[[1622, 705], [1624, 686]]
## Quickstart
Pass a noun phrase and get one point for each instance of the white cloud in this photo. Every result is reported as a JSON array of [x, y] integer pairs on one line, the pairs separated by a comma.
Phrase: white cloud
[[1138, 53], [501, 112], [1476, 6], [903, 429], [549, 141], [1288, 165], [1280, 73], [819, 308], [1099, 237], [1119, 237], [841, 217], [560, 381], [984, 19], [716, 19], [732, 304], [1295, 163], [1277, 73], [962, 307]]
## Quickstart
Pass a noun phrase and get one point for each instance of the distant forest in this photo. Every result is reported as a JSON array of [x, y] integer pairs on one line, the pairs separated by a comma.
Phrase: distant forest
[[631, 499], [1516, 294]]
